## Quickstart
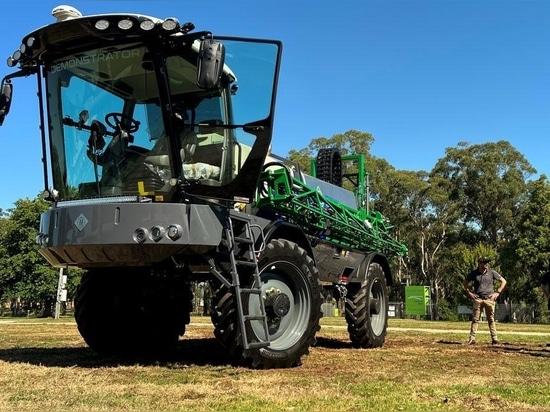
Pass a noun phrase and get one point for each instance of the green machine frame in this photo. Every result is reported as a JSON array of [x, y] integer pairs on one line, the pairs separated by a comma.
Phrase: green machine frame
[[314, 203]]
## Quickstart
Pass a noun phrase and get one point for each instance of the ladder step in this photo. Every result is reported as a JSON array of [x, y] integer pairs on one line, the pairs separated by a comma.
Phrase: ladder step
[[254, 291], [253, 345], [245, 263], [254, 317]]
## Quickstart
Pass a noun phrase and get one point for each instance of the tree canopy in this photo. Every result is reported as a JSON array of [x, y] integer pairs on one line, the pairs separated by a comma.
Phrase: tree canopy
[[25, 276]]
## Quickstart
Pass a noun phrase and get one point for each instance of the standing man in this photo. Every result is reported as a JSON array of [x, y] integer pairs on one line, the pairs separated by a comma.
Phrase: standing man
[[484, 296], [545, 286]]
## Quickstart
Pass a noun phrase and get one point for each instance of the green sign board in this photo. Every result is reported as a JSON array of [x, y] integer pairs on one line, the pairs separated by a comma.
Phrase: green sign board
[[417, 299]]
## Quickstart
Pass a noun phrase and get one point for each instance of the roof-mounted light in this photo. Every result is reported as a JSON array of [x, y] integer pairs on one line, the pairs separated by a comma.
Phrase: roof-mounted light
[[102, 24], [30, 41], [23, 48], [147, 25], [17, 55], [171, 24], [187, 27], [125, 24], [11, 62]]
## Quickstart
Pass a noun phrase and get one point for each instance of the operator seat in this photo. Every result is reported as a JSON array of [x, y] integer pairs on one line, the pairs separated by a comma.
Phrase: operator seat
[[189, 143]]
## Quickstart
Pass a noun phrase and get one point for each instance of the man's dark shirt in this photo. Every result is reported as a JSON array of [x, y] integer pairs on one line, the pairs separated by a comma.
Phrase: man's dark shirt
[[483, 282]]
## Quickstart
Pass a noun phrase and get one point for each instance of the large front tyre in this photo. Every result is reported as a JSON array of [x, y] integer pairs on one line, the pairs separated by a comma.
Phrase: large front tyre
[[128, 312], [291, 292], [367, 309]]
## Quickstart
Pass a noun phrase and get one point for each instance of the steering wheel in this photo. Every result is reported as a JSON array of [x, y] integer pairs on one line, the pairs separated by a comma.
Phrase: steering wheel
[[114, 120]]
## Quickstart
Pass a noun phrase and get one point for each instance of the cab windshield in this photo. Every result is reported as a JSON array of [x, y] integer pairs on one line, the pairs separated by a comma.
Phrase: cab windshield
[[109, 134]]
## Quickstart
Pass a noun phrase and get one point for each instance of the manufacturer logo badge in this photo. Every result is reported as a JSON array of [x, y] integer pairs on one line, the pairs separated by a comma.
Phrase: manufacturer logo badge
[[81, 222]]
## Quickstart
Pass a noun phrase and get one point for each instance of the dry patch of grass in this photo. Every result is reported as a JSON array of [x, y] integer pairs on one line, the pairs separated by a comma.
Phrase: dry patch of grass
[[423, 366]]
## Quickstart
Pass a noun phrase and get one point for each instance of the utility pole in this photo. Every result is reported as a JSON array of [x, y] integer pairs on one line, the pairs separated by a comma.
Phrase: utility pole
[[61, 292]]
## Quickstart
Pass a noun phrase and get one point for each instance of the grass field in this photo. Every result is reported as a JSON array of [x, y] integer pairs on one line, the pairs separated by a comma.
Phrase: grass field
[[45, 366]]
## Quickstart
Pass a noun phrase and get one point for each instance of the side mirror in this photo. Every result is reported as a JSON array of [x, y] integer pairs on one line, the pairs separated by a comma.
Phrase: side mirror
[[6, 91], [210, 64]]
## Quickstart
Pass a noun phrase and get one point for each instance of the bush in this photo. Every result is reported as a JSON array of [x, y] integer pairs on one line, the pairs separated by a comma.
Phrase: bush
[[446, 311]]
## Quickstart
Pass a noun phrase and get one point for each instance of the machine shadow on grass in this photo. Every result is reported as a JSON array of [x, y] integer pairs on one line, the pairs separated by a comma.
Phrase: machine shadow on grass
[[199, 352], [331, 343], [189, 351]]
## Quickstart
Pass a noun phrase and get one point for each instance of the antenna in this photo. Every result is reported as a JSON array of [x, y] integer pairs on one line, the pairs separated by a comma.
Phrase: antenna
[[63, 12]]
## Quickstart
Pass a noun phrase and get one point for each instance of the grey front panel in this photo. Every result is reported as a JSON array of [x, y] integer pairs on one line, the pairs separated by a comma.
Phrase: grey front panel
[[126, 233]]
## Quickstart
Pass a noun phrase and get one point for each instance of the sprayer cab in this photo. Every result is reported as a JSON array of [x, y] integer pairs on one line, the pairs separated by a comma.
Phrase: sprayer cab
[[145, 108]]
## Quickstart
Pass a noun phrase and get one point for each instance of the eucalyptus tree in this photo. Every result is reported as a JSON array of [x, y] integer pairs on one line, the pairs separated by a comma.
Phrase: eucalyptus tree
[[488, 181], [302, 158], [3, 298], [24, 273], [350, 142], [528, 254], [431, 221], [533, 227]]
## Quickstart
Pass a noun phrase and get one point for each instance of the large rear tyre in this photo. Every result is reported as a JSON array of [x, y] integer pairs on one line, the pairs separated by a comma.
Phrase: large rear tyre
[[130, 312], [367, 309], [291, 292]]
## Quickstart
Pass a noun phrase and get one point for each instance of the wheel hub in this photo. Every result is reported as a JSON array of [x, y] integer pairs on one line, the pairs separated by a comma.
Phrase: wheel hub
[[277, 304], [375, 306]]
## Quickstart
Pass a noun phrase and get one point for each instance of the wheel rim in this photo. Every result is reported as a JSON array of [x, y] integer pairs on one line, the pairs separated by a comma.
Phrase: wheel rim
[[377, 307], [287, 279]]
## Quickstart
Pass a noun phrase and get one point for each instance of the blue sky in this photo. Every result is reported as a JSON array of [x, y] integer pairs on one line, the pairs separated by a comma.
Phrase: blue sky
[[419, 75]]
